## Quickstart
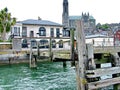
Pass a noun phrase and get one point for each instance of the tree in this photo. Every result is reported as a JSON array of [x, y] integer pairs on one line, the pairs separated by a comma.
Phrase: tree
[[5, 22], [104, 27]]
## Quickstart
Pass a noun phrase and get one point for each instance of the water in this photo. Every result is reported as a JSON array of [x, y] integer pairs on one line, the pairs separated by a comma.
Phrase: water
[[47, 76]]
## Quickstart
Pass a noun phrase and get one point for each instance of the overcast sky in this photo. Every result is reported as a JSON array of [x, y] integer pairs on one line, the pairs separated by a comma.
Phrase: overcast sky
[[104, 11]]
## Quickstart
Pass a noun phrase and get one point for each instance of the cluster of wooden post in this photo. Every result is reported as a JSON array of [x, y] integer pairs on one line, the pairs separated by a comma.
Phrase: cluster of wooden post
[[86, 69], [33, 58]]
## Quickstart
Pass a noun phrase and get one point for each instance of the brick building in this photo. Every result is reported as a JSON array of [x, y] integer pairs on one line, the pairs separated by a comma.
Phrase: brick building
[[117, 38]]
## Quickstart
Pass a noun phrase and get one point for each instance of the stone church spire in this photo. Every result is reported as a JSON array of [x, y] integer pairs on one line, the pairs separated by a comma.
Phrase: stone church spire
[[65, 15]]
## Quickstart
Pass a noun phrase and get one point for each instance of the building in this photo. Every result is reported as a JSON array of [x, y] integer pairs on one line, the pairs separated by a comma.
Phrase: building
[[117, 38], [41, 31], [100, 40], [89, 23]]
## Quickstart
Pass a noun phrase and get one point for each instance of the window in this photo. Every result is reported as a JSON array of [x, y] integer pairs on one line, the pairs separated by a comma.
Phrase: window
[[24, 31], [42, 31], [53, 44], [31, 33], [44, 44], [52, 32], [61, 44], [24, 43], [33, 43], [57, 32], [66, 33], [16, 31]]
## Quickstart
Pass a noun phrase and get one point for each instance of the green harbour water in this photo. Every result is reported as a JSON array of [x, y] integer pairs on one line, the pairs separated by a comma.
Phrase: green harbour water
[[47, 76]]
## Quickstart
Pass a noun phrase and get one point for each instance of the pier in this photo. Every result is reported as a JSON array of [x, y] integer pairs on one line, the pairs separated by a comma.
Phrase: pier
[[85, 58]]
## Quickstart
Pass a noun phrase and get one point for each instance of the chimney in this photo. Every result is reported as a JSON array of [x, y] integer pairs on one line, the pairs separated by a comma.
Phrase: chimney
[[39, 18]]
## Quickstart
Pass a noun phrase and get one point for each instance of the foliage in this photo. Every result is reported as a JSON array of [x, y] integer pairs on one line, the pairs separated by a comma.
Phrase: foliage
[[5, 22], [103, 26], [1, 40]]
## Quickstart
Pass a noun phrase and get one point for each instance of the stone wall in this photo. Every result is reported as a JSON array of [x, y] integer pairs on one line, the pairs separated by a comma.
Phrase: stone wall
[[5, 45]]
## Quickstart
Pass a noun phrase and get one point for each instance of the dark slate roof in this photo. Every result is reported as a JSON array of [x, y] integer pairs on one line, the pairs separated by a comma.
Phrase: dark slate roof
[[39, 22]]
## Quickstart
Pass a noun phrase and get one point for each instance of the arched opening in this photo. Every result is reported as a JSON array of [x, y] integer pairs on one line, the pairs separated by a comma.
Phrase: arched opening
[[61, 44], [34, 43], [44, 44], [53, 44], [24, 43], [42, 31]]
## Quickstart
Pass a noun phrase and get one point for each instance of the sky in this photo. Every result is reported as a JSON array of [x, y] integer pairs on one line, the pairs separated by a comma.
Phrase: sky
[[104, 11]]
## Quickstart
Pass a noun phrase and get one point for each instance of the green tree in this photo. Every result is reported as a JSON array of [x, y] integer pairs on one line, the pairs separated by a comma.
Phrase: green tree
[[103, 26], [5, 22]]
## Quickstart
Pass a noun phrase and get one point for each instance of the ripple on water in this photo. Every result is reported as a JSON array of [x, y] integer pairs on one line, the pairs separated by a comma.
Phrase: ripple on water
[[47, 76]]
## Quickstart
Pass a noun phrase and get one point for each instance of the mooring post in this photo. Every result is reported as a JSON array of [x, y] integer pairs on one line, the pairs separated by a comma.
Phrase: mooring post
[[90, 57], [117, 64], [50, 49], [81, 56], [72, 46], [38, 49], [64, 64], [9, 59], [32, 59]]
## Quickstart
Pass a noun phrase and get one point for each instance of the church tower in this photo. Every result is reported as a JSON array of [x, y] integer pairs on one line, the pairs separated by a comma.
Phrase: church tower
[[65, 15]]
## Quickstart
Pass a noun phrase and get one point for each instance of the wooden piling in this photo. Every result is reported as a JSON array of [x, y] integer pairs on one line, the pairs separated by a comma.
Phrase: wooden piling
[[90, 57], [116, 59], [81, 56], [32, 61], [50, 49], [30, 54], [64, 64], [117, 64], [72, 46], [38, 49], [9, 59]]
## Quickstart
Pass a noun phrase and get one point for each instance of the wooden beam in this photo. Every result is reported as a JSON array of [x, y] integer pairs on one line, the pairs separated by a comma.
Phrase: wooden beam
[[80, 71], [103, 83], [102, 72], [72, 46]]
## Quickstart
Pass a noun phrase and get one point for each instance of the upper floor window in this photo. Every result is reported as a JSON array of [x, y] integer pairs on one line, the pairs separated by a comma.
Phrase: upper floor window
[[52, 32], [31, 33], [24, 31], [16, 31], [42, 31], [66, 33], [57, 32]]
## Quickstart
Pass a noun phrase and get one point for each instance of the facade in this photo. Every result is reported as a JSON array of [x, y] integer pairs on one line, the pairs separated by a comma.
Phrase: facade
[[41, 31], [117, 38], [100, 40]]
